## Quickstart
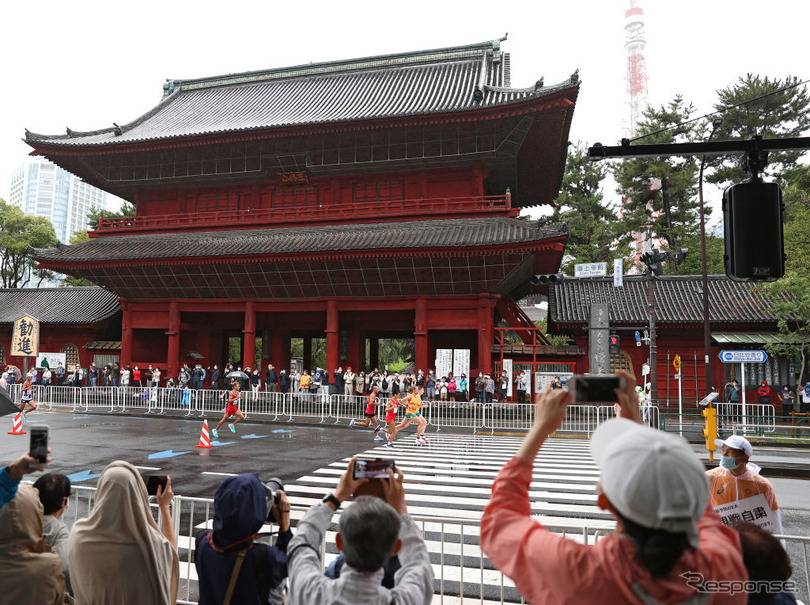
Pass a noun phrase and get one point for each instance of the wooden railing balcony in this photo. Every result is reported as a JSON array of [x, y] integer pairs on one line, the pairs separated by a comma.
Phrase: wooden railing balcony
[[286, 216]]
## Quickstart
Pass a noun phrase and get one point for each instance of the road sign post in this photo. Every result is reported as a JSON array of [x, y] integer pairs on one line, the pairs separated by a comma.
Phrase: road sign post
[[742, 358], [676, 363]]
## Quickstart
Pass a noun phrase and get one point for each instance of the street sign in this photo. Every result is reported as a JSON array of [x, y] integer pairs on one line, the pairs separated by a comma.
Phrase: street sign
[[618, 272], [590, 270], [743, 356], [676, 363]]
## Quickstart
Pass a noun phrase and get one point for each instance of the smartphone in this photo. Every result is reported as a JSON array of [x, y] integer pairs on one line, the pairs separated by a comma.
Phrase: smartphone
[[373, 469], [595, 388], [152, 482], [39, 443]]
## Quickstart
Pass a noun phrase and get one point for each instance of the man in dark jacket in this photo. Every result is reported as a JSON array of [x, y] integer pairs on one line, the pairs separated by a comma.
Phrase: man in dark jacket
[[240, 510], [214, 372], [270, 379]]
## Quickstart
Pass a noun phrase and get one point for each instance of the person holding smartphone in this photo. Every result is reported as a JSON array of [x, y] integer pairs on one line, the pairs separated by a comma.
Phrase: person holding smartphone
[[654, 486], [360, 581]]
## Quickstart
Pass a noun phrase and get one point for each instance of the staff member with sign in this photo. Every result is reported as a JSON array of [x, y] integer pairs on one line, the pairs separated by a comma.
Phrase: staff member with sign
[[738, 492]]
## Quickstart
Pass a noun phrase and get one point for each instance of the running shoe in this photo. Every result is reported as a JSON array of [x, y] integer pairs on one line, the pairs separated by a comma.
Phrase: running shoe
[[424, 439], [215, 434], [378, 438], [387, 436], [351, 423], [419, 441], [389, 444], [232, 427]]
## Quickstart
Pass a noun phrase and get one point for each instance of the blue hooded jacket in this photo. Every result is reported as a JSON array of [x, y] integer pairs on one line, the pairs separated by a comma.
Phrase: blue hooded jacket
[[240, 510]]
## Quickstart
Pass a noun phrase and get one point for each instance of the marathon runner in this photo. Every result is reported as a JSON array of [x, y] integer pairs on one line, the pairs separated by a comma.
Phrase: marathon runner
[[231, 410], [391, 418], [27, 400], [370, 414], [413, 404]]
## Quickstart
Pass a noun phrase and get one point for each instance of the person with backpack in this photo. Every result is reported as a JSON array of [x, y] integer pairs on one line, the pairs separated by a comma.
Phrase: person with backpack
[[385, 385], [233, 566]]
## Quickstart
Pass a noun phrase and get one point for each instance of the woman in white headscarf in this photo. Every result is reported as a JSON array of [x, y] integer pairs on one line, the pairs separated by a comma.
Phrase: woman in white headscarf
[[29, 572], [118, 554]]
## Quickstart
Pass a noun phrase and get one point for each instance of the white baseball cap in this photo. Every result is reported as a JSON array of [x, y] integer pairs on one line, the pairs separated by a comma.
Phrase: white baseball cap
[[737, 443], [652, 478]]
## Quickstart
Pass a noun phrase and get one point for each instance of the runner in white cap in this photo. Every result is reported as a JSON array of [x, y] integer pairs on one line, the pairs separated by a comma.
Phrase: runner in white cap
[[737, 489]]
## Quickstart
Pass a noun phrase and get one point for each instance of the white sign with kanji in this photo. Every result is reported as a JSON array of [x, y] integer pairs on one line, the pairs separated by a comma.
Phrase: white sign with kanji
[[754, 509]]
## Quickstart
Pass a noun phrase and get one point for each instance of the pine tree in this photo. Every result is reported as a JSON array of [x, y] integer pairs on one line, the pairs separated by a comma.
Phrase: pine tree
[[581, 205], [761, 106], [660, 193]]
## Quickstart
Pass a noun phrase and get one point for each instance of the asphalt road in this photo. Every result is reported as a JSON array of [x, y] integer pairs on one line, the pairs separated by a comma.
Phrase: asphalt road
[[83, 444]]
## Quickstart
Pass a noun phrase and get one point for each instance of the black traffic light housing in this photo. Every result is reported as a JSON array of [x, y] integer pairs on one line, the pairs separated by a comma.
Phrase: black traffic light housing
[[547, 278], [652, 259], [615, 347], [752, 220]]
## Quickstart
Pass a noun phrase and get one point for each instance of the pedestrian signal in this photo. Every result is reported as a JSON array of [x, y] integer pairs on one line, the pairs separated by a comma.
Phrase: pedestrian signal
[[547, 278], [615, 345]]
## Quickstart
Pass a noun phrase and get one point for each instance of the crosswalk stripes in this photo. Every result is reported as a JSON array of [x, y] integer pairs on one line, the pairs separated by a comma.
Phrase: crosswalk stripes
[[447, 484]]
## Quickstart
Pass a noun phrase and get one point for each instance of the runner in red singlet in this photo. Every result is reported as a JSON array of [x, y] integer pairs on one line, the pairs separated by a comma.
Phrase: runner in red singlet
[[231, 410], [370, 414]]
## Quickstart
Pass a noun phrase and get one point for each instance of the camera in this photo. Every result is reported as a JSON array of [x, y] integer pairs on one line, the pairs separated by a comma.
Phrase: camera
[[271, 489]]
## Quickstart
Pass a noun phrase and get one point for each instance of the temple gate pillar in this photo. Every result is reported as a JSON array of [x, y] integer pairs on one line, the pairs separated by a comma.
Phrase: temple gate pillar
[[126, 334], [307, 354], [420, 336], [173, 356], [374, 353], [332, 336], [486, 324], [249, 340]]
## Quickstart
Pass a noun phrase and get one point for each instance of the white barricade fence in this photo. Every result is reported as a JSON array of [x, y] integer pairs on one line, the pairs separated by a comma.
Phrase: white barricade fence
[[100, 397], [749, 416], [508, 416], [209, 401], [265, 403], [344, 408], [61, 397], [464, 414], [460, 568]]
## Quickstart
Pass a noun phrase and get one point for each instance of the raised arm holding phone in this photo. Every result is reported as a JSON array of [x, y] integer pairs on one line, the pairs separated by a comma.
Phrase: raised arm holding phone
[[653, 485], [393, 531]]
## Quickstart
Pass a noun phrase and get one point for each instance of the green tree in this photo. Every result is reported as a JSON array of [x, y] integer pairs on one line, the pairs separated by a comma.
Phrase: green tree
[[797, 223], [18, 235], [70, 281], [759, 106], [660, 193], [592, 224], [790, 301], [127, 209]]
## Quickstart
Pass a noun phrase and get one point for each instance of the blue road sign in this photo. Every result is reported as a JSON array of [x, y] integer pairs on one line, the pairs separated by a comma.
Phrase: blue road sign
[[743, 356], [165, 454]]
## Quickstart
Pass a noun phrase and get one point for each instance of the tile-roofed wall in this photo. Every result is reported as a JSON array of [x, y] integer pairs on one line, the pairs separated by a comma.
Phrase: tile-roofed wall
[[411, 84], [58, 305], [678, 300], [301, 240]]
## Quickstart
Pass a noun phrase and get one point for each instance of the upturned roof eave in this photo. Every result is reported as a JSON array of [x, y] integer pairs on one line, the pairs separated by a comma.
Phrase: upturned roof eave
[[58, 143]]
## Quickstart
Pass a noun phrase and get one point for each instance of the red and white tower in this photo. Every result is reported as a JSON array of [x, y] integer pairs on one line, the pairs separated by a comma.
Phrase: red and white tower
[[634, 44]]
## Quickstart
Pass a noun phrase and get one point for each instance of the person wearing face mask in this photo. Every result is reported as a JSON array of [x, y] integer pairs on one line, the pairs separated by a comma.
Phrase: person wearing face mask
[[737, 479]]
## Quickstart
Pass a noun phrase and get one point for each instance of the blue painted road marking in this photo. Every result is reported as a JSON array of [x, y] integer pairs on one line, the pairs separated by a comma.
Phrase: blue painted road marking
[[83, 476], [166, 454], [218, 443], [253, 436]]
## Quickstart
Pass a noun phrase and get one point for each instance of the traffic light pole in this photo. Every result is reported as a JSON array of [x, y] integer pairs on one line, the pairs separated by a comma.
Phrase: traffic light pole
[[653, 347]]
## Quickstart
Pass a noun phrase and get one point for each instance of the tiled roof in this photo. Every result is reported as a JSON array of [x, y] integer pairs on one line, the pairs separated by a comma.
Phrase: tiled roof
[[58, 305], [679, 300], [303, 240], [411, 84]]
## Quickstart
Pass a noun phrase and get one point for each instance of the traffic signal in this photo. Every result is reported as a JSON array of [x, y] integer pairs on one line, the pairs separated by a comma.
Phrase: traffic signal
[[752, 221], [547, 278], [615, 345], [710, 432], [652, 259]]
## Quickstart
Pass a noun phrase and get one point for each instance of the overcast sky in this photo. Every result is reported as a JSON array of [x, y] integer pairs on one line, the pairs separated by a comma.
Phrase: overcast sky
[[86, 64]]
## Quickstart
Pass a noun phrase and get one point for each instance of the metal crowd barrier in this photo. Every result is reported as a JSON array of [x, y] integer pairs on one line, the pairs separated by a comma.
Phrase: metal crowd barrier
[[331, 409], [461, 570]]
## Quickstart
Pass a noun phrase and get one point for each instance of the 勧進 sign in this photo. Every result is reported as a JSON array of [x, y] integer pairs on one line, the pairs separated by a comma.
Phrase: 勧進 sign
[[25, 337]]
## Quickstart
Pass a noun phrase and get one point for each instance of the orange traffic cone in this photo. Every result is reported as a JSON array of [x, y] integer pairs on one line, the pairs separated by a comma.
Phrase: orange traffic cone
[[205, 441], [16, 426]]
